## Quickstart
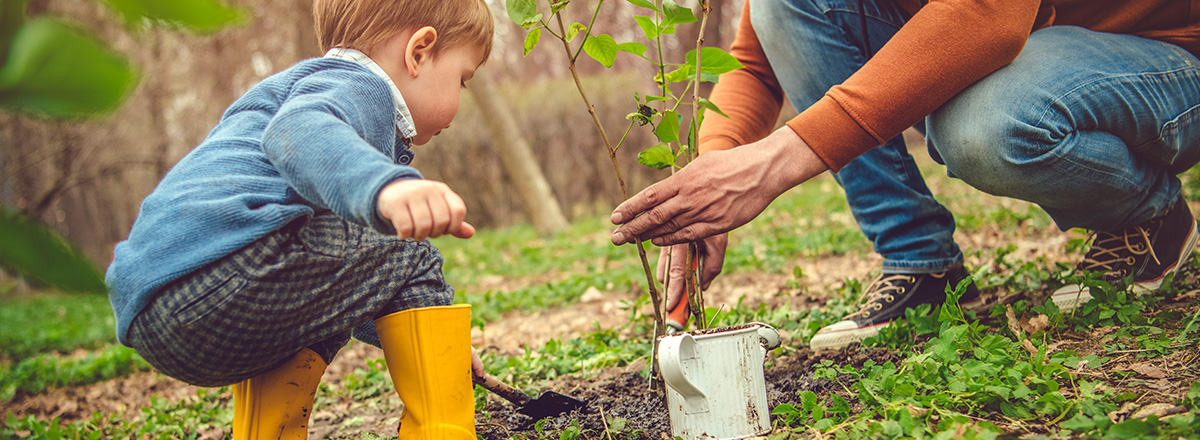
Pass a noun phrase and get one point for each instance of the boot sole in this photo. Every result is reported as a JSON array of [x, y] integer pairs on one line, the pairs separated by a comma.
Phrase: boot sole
[[1068, 298]]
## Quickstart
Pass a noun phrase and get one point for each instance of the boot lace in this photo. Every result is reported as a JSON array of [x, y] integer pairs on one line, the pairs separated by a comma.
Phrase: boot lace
[[1116, 254], [883, 289]]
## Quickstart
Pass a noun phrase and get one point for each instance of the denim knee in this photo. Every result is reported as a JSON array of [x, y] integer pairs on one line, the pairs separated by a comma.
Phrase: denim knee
[[973, 140]]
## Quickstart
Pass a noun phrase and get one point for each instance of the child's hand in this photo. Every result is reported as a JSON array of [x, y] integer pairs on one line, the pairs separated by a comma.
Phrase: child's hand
[[476, 364], [421, 209]]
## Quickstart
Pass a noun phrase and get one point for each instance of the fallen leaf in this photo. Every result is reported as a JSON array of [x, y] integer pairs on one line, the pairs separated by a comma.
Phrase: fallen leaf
[[1119, 415], [1149, 370], [1013, 324], [1100, 332], [1036, 324], [1165, 385], [1157, 409]]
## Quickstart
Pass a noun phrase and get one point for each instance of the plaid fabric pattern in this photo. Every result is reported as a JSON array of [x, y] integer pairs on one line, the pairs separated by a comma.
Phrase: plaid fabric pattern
[[310, 284]]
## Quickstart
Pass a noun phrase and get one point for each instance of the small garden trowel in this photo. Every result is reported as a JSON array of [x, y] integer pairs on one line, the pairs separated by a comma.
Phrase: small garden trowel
[[550, 403]]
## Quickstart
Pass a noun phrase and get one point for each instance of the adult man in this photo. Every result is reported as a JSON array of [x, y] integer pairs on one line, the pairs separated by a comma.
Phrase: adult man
[[1086, 108]]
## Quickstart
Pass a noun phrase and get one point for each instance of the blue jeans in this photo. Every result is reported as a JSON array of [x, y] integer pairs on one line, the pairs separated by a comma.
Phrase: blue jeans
[[1092, 127], [813, 45]]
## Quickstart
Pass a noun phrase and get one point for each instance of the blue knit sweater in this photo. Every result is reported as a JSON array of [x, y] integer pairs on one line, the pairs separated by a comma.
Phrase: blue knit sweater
[[318, 136]]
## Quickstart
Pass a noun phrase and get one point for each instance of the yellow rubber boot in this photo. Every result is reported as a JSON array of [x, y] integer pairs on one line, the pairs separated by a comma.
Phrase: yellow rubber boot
[[277, 404], [428, 353]]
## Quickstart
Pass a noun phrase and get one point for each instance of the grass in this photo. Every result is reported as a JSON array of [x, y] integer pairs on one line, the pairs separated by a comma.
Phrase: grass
[[56, 340], [31, 325], [957, 377]]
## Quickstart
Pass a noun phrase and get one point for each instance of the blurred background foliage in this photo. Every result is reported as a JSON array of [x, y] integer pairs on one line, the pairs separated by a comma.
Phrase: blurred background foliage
[[82, 167], [51, 68]]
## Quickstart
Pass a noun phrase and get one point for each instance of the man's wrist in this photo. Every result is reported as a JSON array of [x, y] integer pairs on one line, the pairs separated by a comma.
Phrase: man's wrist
[[797, 162]]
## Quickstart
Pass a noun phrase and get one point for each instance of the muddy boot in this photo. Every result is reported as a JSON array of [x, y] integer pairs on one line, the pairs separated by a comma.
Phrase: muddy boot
[[428, 353], [277, 404]]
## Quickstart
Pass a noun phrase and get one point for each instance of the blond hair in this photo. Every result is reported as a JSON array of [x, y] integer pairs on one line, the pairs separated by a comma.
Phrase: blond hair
[[364, 24]]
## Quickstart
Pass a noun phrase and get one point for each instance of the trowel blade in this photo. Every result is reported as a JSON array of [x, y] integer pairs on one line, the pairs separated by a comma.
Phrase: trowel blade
[[550, 403]]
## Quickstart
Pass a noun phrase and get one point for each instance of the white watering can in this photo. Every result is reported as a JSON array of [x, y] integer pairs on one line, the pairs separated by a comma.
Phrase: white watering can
[[715, 385]]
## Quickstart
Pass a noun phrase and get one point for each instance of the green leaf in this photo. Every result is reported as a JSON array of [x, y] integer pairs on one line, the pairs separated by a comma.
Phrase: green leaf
[[643, 4], [574, 30], [783, 409], [38, 252], [531, 39], [601, 48], [705, 103], [652, 29], [714, 61], [658, 157], [523, 12], [635, 48], [679, 75], [200, 15], [668, 129], [58, 70], [1132, 428], [675, 14]]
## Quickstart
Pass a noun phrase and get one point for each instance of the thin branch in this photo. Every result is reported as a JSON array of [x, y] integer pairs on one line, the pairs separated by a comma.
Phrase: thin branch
[[612, 154]]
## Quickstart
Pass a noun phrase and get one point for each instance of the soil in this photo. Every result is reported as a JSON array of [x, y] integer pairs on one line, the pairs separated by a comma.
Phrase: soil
[[624, 393]]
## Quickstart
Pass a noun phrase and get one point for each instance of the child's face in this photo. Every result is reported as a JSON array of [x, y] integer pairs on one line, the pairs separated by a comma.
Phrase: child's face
[[432, 97]]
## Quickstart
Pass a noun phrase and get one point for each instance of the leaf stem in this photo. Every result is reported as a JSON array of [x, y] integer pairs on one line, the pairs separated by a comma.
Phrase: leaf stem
[[585, 34]]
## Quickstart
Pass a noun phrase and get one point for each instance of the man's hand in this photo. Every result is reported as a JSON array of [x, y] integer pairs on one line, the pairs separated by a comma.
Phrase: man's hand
[[421, 209], [717, 192], [673, 268]]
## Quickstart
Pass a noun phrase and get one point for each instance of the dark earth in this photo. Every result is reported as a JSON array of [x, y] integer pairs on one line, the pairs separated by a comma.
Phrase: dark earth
[[628, 396]]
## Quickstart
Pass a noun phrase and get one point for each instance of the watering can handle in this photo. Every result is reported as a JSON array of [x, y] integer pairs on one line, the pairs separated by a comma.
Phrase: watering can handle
[[672, 352], [768, 336]]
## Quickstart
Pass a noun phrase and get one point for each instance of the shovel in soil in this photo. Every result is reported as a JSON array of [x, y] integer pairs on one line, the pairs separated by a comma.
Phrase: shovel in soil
[[550, 403]]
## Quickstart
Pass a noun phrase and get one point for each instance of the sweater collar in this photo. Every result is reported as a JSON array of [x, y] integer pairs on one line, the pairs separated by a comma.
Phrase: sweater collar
[[403, 118]]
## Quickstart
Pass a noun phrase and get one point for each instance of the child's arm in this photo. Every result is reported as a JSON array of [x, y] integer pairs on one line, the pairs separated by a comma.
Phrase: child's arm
[[424, 208], [328, 141]]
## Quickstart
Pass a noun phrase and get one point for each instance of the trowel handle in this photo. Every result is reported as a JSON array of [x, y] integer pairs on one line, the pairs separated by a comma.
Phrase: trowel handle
[[501, 389]]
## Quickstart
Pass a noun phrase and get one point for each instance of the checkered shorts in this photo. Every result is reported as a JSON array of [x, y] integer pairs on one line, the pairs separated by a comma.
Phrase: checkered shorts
[[311, 284]]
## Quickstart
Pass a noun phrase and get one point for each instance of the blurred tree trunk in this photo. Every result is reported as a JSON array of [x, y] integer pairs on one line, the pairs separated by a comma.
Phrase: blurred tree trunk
[[517, 156]]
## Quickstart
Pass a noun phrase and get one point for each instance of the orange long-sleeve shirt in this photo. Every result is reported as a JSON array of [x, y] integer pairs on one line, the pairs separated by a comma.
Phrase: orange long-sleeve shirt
[[945, 47]]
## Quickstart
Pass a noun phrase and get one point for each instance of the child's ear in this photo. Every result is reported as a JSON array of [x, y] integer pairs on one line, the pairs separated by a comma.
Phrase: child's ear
[[419, 49]]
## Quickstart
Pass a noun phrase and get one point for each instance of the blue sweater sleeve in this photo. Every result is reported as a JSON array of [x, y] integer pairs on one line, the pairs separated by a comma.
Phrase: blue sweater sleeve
[[317, 141]]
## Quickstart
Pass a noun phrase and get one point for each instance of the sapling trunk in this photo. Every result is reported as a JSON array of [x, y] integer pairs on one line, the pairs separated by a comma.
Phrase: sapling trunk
[[659, 319], [601, 47], [696, 294]]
